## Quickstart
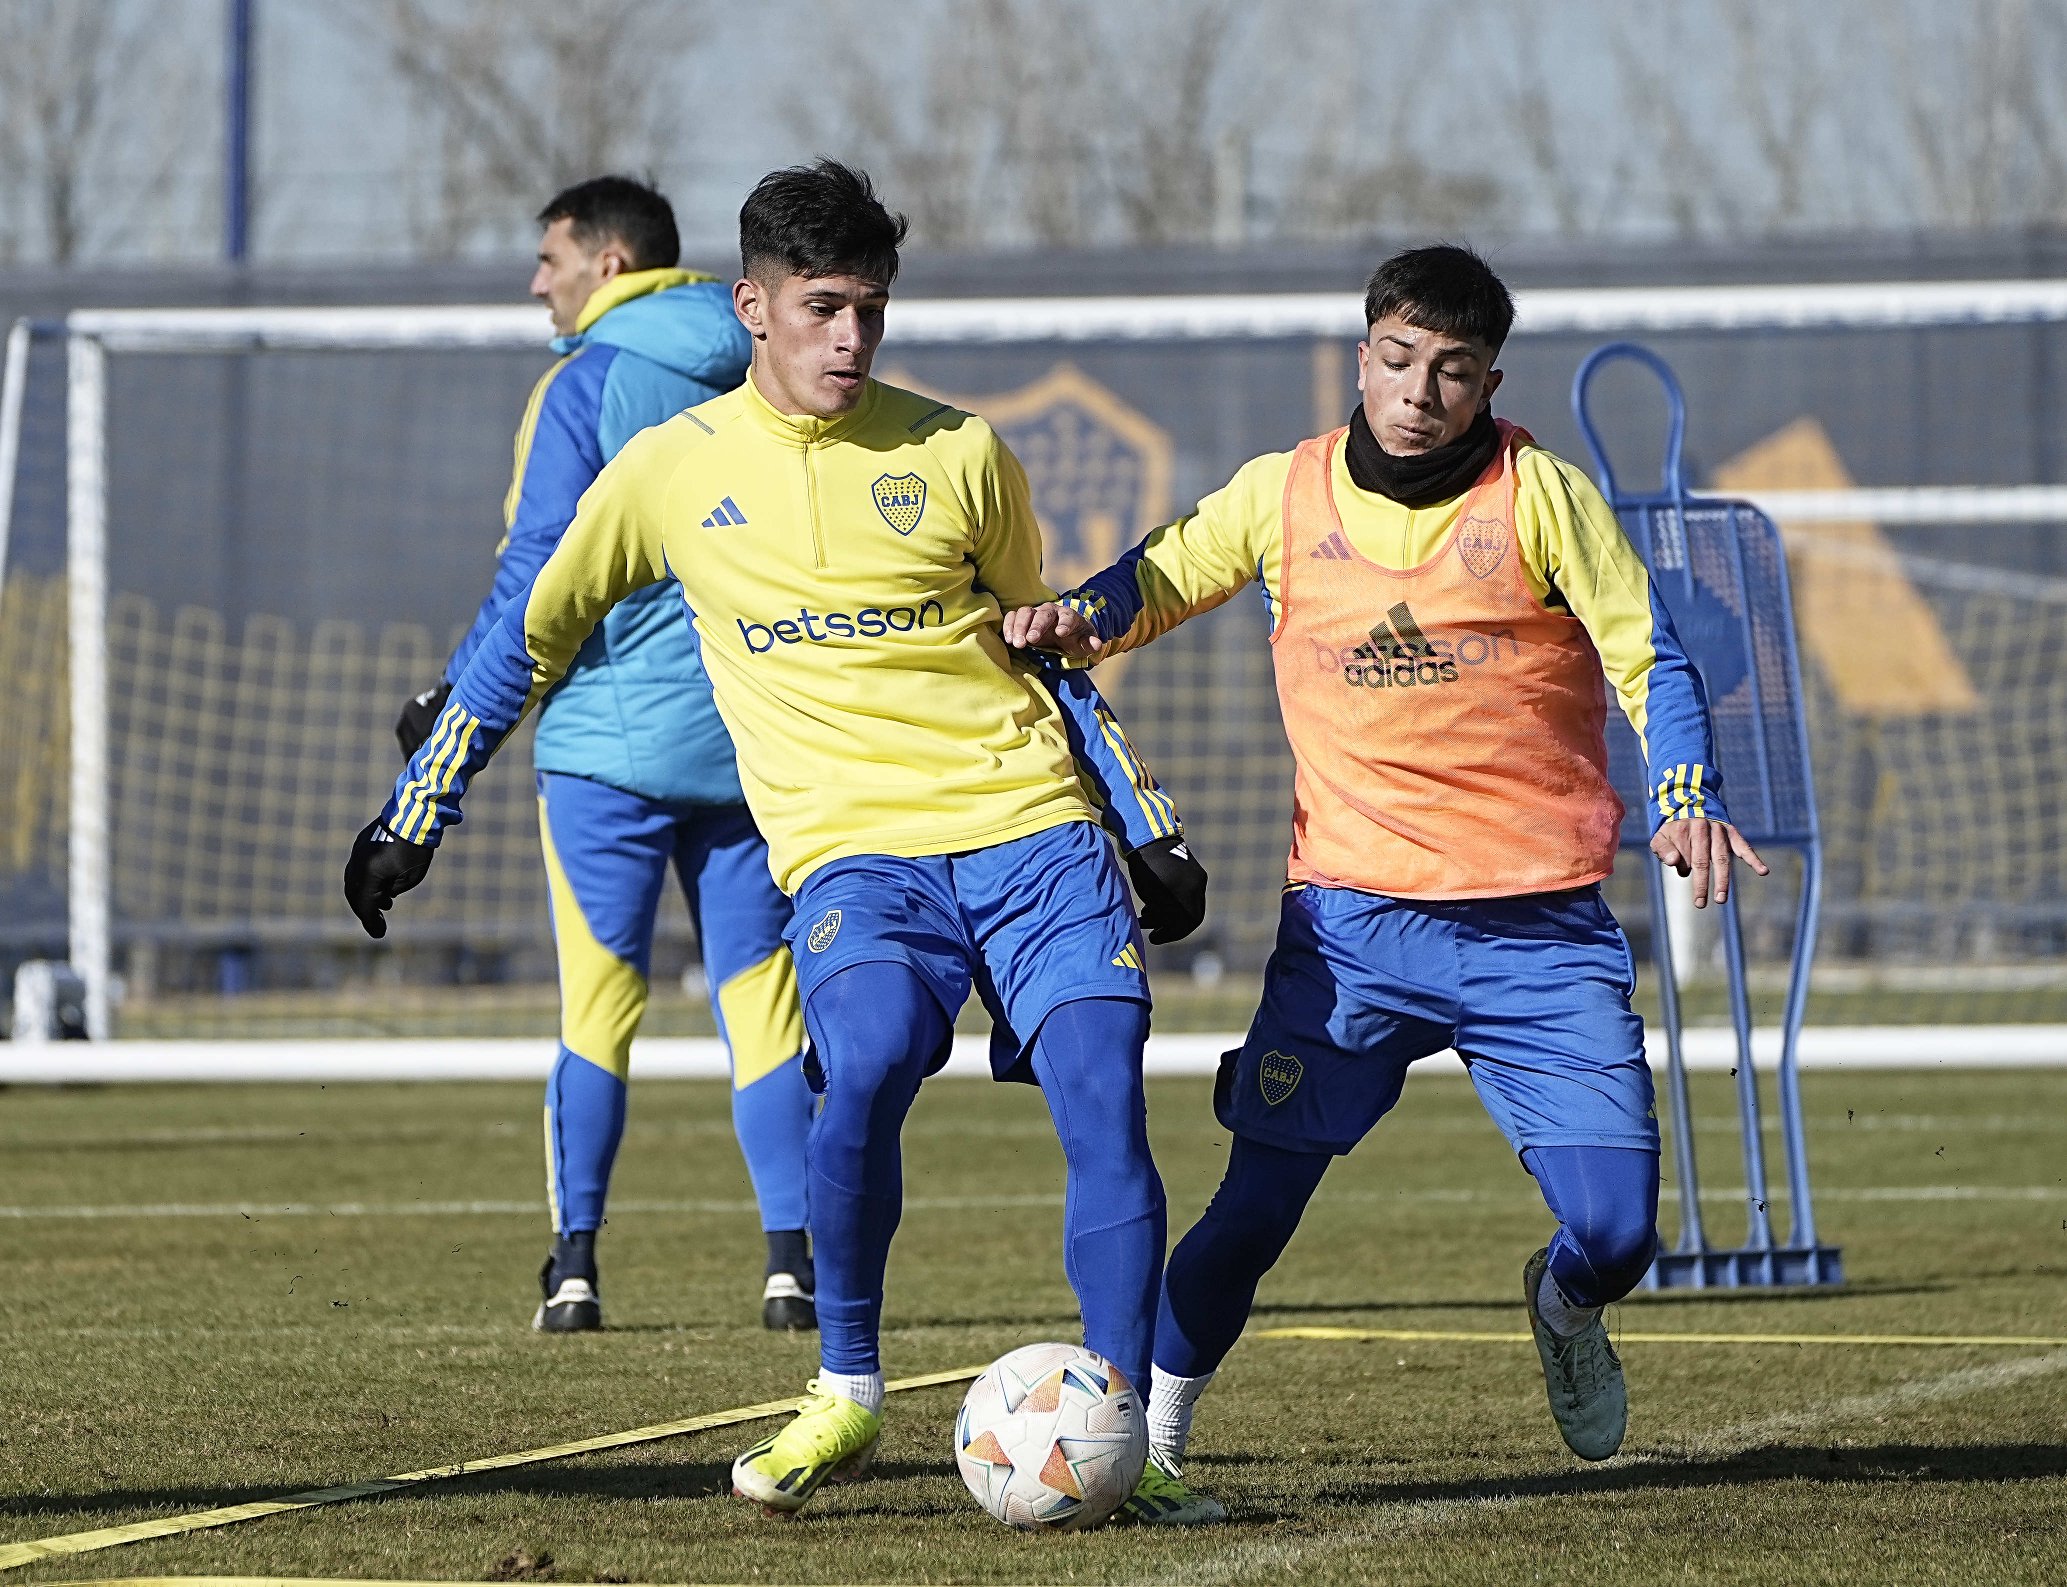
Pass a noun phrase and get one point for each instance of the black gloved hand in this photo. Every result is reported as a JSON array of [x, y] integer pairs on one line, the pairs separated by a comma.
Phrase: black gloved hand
[[1171, 885], [382, 866], [419, 716]]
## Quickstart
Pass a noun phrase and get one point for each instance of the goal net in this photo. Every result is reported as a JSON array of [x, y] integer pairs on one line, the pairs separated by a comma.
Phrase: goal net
[[235, 540]]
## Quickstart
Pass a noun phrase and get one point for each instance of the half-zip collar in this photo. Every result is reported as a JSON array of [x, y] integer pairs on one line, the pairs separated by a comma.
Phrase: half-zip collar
[[806, 430]]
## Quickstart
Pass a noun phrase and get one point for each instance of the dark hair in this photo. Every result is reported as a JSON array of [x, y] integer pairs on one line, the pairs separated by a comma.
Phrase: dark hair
[[619, 209], [1446, 289], [821, 219]]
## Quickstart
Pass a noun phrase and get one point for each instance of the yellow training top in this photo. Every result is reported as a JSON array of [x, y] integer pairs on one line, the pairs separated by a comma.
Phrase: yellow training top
[[846, 578]]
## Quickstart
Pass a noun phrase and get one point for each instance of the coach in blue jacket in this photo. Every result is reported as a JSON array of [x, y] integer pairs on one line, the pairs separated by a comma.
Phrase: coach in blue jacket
[[635, 770]]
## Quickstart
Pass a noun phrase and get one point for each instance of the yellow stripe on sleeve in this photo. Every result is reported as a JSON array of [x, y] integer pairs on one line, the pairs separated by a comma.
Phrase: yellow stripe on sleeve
[[1146, 778], [452, 765], [421, 804], [440, 742], [526, 430], [1155, 805]]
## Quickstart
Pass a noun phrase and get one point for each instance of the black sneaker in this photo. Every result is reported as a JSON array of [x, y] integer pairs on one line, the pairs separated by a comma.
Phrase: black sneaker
[[787, 1306], [569, 1305]]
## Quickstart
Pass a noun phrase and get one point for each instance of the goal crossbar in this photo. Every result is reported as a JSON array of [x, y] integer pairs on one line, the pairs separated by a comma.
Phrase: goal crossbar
[[1542, 311]]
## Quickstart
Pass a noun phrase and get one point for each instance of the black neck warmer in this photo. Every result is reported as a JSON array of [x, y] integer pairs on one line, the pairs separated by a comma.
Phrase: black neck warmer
[[1423, 478]]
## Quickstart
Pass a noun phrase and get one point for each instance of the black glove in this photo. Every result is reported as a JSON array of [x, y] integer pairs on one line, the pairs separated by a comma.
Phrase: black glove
[[419, 716], [381, 867], [1171, 885]]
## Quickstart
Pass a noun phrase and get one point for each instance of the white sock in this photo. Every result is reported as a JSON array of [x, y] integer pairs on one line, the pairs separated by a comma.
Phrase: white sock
[[1564, 1318], [865, 1389], [1171, 1400]]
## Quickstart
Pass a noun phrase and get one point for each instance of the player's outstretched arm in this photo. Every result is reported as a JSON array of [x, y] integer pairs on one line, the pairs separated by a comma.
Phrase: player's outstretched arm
[[1178, 571], [612, 548], [1168, 879]]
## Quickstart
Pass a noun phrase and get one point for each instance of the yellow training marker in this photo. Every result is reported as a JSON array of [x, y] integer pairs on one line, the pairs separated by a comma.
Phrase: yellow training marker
[[13, 1555], [1429, 1335]]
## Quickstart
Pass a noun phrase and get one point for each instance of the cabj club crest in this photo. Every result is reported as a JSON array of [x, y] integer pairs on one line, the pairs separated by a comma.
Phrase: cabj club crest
[[822, 934], [1278, 1076], [1481, 543], [901, 499]]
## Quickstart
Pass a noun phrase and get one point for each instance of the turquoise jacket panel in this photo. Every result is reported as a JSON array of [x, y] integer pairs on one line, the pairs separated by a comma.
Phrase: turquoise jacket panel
[[635, 710]]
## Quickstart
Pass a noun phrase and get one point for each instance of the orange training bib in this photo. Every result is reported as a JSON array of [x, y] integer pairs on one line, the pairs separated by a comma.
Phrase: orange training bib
[[1447, 726]]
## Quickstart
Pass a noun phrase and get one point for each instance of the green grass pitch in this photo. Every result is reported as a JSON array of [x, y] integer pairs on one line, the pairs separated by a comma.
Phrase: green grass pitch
[[167, 1352]]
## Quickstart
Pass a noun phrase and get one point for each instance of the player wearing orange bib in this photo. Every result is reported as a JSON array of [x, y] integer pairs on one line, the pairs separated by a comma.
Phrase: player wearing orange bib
[[1448, 604]]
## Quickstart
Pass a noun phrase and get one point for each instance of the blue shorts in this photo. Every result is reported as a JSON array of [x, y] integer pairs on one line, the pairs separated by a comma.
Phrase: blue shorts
[[1533, 993], [1031, 924]]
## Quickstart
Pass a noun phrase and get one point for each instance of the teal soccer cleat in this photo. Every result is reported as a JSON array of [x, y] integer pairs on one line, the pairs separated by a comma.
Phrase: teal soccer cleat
[[1582, 1374]]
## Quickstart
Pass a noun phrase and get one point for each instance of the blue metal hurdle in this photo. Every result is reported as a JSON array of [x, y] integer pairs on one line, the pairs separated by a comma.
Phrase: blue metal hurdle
[[1721, 571]]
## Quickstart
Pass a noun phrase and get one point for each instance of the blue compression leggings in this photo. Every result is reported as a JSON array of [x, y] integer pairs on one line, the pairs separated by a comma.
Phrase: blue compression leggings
[[1605, 1199], [875, 1028]]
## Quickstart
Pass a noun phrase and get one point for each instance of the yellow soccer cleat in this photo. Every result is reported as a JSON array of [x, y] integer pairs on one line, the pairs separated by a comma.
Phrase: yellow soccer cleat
[[830, 1439], [1161, 1498]]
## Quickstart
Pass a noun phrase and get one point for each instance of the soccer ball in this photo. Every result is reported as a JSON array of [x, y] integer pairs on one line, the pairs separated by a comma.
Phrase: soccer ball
[[1052, 1438]]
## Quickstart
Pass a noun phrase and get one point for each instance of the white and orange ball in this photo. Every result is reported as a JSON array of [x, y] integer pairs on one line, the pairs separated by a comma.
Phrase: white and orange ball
[[1052, 1437]]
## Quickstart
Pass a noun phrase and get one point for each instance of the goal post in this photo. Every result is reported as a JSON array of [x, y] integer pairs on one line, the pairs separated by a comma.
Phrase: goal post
[[1107, 461]]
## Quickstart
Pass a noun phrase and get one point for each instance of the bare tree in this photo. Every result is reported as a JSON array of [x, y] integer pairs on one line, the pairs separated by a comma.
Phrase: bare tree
[[521, 96], [1066, 122], [1689, 175], [1981, 110], [95, 113], [1783, 88]]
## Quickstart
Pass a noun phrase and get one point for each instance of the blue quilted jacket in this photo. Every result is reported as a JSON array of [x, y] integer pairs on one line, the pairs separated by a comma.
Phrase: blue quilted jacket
[[635, 711]]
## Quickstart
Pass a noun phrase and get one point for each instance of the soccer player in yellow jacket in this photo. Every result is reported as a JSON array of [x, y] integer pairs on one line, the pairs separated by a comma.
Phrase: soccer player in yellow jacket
[[1447, 603], [846, 549]]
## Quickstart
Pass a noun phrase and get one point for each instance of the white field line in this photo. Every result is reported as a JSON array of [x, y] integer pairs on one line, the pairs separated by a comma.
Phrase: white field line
[[920, 1124], [668, 1129], [1753, 1434], [258, 1210], [1940, 1047], [463, 1209], [1241, 1561]]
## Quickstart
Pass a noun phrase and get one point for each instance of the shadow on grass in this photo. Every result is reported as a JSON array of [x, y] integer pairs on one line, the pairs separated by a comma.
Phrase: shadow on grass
[[641, 1480], [1019, 1319], [648, 1480], [1646, 1299], [137, 1504], [1884, 1463]]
